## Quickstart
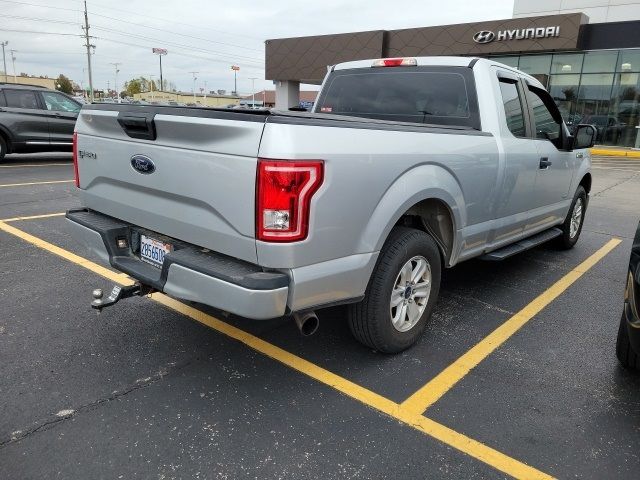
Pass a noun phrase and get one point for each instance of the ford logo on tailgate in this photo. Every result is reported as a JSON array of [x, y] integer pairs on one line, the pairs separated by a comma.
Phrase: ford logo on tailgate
[[142, 164]]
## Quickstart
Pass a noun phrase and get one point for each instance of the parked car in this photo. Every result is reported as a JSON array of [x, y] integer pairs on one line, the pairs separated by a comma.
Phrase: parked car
[[405, 167], [35, 119], [628, 344]]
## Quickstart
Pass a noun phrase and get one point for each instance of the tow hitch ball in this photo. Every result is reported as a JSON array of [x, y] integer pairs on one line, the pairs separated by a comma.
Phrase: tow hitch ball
[[117, 294]]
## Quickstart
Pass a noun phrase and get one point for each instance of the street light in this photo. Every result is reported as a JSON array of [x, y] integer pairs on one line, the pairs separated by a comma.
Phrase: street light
[[193, 90], [253, 91], [116, 84]]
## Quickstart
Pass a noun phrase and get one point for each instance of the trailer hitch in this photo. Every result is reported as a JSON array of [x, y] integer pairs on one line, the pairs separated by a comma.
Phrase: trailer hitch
[[117, 294]]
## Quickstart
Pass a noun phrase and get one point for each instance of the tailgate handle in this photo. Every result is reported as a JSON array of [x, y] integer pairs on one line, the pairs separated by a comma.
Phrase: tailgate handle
[[138, 126]]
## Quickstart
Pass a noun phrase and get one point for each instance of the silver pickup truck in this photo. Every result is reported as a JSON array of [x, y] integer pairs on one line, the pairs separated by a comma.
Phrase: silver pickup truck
[[405, 166]]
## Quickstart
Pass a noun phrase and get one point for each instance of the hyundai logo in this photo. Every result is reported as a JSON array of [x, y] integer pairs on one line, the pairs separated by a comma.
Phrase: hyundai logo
[[484, 36], [142, 164]]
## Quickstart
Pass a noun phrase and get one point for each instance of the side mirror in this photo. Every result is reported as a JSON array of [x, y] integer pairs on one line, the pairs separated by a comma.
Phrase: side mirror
[[584, 136]]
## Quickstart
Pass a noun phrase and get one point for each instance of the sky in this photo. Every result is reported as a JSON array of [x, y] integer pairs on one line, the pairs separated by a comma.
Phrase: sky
[[206, 37]]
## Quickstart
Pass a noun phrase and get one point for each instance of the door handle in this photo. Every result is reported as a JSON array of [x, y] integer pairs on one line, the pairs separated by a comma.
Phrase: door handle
[[545, 163]]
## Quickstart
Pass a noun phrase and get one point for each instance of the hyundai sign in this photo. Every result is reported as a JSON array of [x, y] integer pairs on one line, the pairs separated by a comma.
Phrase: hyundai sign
[[487, 36]]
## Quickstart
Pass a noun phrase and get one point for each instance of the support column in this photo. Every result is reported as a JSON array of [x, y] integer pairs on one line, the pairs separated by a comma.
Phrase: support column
[[287, 94]]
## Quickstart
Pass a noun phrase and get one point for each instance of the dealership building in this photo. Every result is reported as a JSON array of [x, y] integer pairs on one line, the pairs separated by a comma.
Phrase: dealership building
[[586, 52]]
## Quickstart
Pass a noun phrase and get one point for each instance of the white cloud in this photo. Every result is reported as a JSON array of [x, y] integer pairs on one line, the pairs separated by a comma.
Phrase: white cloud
[[190, 29]]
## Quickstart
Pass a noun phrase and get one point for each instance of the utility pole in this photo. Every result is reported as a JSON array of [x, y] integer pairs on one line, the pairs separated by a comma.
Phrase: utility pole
[[13, 61], [253, 91], [116, 87], [89, 47], [4, 59], [194, 85]]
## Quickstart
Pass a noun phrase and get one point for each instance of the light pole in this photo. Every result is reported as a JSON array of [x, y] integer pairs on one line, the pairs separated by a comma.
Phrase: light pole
[[4, 59], [253, 91], [194, 85], [160, 52], [151, 85], [116, 85], [13, 61], [205, 93]]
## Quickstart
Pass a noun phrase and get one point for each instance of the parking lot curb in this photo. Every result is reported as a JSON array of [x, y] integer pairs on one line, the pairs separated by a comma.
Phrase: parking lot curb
[[615, 152]]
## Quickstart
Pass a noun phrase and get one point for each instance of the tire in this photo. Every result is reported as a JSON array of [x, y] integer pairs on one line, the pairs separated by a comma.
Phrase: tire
[[3, 148], [624, 351], [371, 321], [571, 235]]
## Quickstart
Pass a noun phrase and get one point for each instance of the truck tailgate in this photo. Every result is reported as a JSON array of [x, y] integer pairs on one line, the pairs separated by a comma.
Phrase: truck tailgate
[[202, 189]]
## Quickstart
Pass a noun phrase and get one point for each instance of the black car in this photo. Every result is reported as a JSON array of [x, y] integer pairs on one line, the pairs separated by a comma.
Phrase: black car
[[35, 119], [628, 344]]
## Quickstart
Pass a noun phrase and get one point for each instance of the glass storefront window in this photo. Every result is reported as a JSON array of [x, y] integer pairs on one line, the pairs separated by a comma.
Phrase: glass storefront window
[[629, 61], [564, 91], [594, 98], [535, 64], [567, 63], [600, 62], [625, 110], [510, 61]]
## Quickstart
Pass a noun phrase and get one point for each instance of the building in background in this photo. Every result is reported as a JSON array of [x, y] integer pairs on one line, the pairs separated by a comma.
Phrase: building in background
[[267, 98], [40, 82], [211, 100], [591, 68]]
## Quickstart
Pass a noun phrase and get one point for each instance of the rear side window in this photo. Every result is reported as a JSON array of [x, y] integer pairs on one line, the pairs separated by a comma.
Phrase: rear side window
[[431, 95], [513, 108], [21, 99]]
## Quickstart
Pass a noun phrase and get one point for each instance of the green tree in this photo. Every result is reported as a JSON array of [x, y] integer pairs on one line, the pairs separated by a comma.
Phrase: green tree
[[132, 87], [64, 84]]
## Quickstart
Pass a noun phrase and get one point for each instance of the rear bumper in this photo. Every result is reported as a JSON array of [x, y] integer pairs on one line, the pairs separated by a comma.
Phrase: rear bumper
[[188, 273]]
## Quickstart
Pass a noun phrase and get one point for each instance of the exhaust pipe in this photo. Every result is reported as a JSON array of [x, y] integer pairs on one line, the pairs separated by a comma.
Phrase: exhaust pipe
[[307, 323]]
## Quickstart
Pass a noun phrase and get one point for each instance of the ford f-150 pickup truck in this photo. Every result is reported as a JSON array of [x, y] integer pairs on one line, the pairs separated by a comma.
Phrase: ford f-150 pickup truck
[[404, 167]]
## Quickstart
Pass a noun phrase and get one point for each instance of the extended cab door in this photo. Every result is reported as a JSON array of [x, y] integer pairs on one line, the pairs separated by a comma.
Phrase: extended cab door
[[24, 118], [62, 113], [519, 157], [555, 165]]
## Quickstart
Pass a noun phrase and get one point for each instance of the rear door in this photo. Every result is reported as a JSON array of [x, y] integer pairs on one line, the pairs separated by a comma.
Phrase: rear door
[[25, 118], [519, 154], [62, 113], [555, 166]]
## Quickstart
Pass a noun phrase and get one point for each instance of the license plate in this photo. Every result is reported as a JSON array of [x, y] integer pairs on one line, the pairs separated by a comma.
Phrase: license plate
[[153, 251]]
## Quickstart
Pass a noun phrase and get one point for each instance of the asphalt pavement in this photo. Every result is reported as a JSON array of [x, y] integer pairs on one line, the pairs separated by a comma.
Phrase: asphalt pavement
[[516, 375]]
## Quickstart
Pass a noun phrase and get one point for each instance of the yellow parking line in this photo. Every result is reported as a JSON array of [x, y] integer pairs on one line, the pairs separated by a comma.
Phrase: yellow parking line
[[454, 439], [32, 217], [25, 165], [35, 183], [450, 376]]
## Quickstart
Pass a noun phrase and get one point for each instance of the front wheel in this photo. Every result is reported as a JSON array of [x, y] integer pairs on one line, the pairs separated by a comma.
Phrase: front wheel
[[401, 294], [572, 226]]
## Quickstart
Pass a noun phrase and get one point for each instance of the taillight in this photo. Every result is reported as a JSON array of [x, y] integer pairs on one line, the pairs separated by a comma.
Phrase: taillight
[[395, 62], [283, 198], [75, 159]]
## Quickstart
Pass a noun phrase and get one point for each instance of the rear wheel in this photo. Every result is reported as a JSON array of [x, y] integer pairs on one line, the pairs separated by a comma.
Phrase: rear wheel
[[572, 226], [3, 148], [401, 294], [624, 351]]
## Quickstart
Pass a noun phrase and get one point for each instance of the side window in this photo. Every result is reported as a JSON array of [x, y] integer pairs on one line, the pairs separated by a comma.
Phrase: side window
[[513, 108], [59, 103], [546, 116], [21, 99]]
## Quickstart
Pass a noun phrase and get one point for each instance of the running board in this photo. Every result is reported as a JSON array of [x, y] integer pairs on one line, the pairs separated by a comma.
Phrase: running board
[[522, 245]]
